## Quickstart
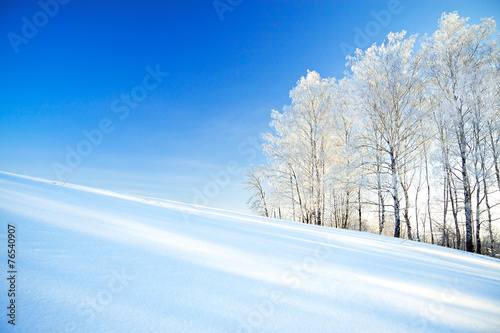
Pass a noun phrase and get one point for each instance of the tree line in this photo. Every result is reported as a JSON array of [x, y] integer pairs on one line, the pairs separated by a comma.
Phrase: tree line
[[406, 144]]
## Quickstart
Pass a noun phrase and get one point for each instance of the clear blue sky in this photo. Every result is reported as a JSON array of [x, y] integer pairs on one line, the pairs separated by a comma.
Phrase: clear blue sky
[[224, 78]]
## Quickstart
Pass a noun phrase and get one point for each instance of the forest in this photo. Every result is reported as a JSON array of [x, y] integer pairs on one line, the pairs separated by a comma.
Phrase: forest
[[406, 144]]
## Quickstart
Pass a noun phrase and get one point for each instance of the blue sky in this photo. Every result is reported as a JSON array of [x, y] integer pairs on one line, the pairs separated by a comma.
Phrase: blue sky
[[200, 122]]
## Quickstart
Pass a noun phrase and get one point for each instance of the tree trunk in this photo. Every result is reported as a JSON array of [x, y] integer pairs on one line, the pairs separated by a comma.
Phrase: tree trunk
[[428, 193], [469, 246], [454, 207], [347, 203], [395, 196], [381, 212], [416, 215], [406, 212], [303, 217], [359, 208], [445, 207], [488, 209], [478, 218], [381, 202], [293, 199], [495, 156], [487, 202]]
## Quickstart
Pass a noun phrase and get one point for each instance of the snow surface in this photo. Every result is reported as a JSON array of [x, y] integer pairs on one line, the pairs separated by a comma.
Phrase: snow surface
[[90, 260]]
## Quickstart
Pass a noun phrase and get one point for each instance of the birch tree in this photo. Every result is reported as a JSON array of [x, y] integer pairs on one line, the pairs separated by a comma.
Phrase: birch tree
[[388, 81], [453, 52]]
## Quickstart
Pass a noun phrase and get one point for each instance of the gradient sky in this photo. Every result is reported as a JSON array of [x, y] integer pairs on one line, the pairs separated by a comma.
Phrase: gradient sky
[[224, 78]]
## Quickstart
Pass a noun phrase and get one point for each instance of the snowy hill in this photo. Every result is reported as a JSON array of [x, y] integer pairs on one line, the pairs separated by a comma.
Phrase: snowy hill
[[94, 261]]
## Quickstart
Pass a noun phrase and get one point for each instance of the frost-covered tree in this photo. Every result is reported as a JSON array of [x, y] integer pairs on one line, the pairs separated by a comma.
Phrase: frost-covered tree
[[255, 182], [300, 147], [388, 84], [400, 123], [453, 56]]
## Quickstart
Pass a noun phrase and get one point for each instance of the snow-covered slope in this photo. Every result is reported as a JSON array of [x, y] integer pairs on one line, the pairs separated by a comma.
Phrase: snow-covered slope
[[95, 261]]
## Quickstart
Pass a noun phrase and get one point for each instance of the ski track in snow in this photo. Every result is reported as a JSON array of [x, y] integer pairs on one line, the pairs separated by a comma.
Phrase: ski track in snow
[[91, 260]]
